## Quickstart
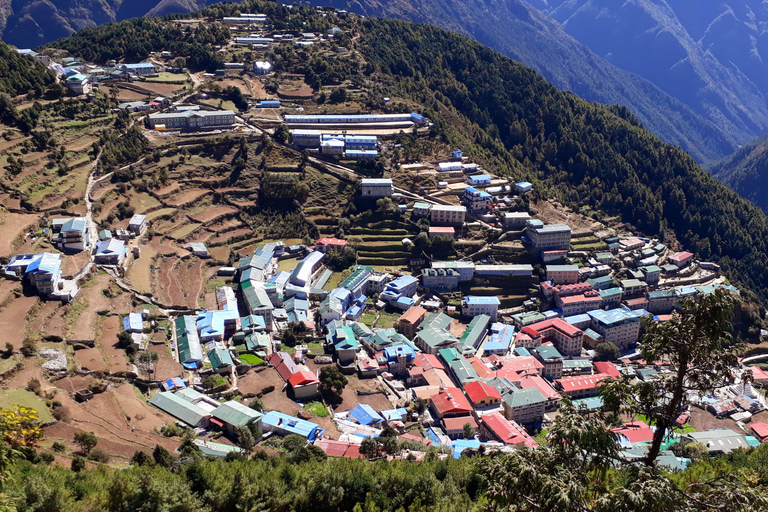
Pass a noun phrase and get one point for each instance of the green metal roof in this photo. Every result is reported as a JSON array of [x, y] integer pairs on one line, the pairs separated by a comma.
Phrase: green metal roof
[[189, 394], [475, 330], [179, 408], [576, 363], [463, 370], [523, 397], [436, 337], [547, 352], [257, 340], [219, 358], [187, 339], [236, 414], [435, 320]]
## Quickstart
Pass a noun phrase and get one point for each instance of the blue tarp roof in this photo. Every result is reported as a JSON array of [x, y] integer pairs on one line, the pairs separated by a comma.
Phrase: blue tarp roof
[[133, 322]]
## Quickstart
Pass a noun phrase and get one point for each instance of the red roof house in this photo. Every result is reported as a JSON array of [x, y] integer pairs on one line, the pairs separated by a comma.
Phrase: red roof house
[[681, 259], [759, 430], [450, 402], [523, 364], [481, 394], [454, 427], [609, 368], [427, 361], [325, 244], [544, 387], [304, 384], [581, 385], [635, 432], [505, 431]]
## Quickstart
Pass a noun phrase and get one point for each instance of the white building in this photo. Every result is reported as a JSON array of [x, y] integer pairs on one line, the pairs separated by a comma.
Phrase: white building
[[377, 187], [472, 306], [548, 237], [618, 326], [514, 220], [261, 67], [192, 119], [466, 269], [306, 138], [137, 224], [78, 84], [447, 214]]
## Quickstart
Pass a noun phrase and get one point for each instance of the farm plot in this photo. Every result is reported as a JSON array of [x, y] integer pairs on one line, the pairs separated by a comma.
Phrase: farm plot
[[107, 342], [213, 212], [178, 281], [13, 225], [187, 196], [138, 272]]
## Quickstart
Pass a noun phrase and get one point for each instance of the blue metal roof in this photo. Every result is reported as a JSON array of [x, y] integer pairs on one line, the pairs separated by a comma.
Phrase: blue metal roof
[[47, 263], [613, 316], [365, 415], [394, 351], [292, 424]]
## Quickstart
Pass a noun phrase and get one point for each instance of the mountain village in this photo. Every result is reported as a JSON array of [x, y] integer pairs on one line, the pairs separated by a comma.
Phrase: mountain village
[[526, 304]]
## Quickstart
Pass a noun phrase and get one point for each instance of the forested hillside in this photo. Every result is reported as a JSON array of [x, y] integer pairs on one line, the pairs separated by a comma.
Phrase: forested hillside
[[523, 33], [20, 74], [506, 115], [746, 172], [587, 154]]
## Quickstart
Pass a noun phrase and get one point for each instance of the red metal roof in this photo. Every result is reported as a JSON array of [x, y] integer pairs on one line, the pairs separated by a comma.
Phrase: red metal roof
[[573, 299], [446, 230], [479, 366], [302, 379], [451, 401], [333, 448], [511, 375], [418, 439], [635, 432], [428, 361], [478, 390], [331, 241], [609, 368], [459, 422], [559, 324], [412, 315], [538, 382], [581, 382], [286, 370], [508, 432], [522, 363], [216, 422], [758, 373], [760, 429], [353, 452]]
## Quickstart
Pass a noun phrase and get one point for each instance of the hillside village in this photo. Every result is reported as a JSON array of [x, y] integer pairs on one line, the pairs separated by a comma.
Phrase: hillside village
[[458, 309]]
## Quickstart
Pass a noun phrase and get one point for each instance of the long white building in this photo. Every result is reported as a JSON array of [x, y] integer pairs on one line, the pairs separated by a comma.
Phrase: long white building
[[192, 119]]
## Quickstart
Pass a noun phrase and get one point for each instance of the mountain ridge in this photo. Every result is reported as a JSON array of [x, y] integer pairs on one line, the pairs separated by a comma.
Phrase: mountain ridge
[[542, 44], [746, 172]]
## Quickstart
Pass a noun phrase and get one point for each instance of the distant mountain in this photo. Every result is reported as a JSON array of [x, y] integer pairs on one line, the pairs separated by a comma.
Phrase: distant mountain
[[710, 54], [516, 29], [746, 172], [31, 23]]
